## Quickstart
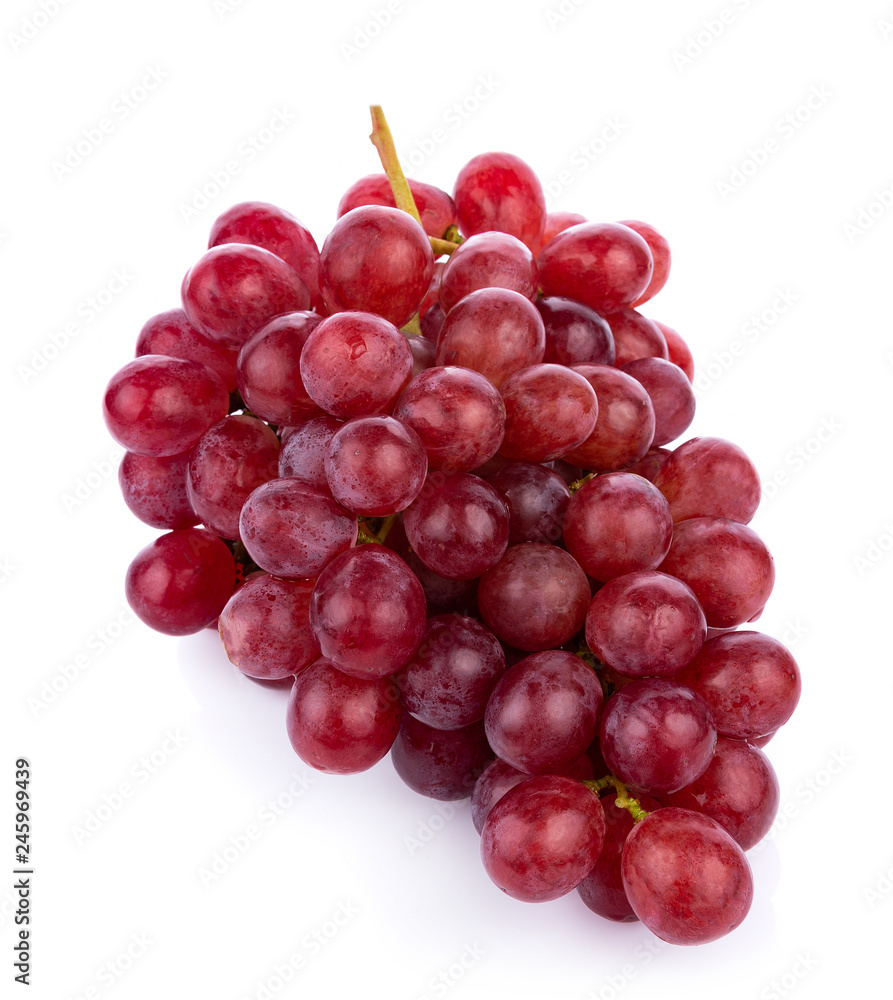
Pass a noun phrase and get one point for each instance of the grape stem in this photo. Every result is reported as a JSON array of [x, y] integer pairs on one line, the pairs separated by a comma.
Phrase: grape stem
[[378, 537], [624, 800], [580, 483], [383, 141]]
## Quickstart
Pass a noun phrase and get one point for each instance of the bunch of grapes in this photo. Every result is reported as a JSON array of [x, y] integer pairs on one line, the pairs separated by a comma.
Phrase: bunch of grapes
[[429, 463]]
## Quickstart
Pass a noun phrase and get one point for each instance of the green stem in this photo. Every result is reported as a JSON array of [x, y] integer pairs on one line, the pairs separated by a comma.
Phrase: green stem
[[624, 800]]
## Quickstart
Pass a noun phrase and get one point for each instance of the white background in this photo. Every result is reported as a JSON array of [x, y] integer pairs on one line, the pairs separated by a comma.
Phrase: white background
[[371, 890]]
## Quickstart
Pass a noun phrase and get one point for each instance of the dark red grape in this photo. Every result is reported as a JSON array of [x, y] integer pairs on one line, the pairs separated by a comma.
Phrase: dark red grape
[[543, 837], [575, 334], [499, 191], [602, 889], [265, 627], [645, 624], [443, 764], [234, 289], [535, 597], [750, 681], [726, 564], [341, 724], [543, 713], [368, 612], [617, 523], [657, 735], [377, 260], [537, 499], [458, 526], [650, 464], [710, 477], [451, 675], [161, 406], [606, 266], [294, 529], [180, 582], [665, 859]]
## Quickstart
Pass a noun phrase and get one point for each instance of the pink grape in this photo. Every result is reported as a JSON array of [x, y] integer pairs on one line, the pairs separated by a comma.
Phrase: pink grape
[[368, 611], [618, 523], [710, 477], [671, 395], [375, 466], [494, 331], [624, 428], [303, 452], [657, 735], [355, 364], [660, 254], [265, 627], [294, 529], [635, 337], [606, 266], [739, 790], [269, 371], [458, 415], [750, 681], [499, 191], [376, 260], [230, 461], [543, 713], [435, 207], [235, 288], [155, 489], [726, 564], [274, 229], [488, 260], [549, 411], [645, 624], [170, 333]]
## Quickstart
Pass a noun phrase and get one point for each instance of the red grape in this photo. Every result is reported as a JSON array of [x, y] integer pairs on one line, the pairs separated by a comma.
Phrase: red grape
[[671, 395], [660, 254], [488, 260], [234, 289], [435, 207], [161, 406], [665, 859], [443, 764], [635, 337], [180, 582], [575, 334], [376, 260], [170, 333], [155, 489]]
